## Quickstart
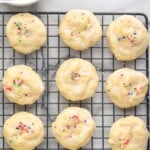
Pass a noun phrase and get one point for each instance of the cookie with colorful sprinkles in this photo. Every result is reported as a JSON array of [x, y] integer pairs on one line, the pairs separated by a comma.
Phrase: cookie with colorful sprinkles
[[129, 133], [23, 131], [77, 79], [80, 29], [73, 127], [25, 32], [127, 38], [22, 85], [126, 87]]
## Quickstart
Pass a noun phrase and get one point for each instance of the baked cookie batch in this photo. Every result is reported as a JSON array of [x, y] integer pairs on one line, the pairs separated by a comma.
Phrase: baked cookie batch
[[77, 80]]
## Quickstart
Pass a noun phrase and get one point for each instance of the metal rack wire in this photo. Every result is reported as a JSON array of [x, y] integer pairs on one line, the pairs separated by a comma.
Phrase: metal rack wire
[[47, 60]]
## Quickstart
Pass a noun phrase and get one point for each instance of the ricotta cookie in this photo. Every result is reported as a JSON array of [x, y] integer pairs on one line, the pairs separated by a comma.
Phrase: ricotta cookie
[[80, 29], [26, 33], [23, 131], [126, 87], [77, 79], [127, 38], [22, 85], [129, 133], [73, 127]]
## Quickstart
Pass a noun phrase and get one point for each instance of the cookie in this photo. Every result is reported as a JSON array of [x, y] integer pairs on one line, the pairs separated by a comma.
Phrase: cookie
[[77, 79], [127, 38], [73, 127], [80, 29], [126, 87], [25, 32], [23, 131], [22, 85], [129, 133]]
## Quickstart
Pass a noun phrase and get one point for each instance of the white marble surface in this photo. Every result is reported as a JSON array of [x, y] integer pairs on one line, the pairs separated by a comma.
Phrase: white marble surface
[[93, 5]]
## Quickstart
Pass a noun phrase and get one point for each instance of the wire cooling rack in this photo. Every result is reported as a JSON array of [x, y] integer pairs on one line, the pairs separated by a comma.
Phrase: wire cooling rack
[[46, 62]]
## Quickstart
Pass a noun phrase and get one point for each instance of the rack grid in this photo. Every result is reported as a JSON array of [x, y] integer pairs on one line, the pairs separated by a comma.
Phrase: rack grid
[[46, 62]]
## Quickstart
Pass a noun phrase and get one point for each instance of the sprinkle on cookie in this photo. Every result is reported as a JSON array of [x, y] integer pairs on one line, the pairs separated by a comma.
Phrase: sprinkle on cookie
[[23, 128], [18, 82], [8, 88], [75, 75], [28, 94], [21, 30], [130, 37]]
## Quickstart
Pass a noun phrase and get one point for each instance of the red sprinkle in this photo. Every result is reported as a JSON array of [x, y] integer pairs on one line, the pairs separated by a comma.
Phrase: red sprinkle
[[126, 142], [76, 118], [68, 126], [7, 88], [24, 128]]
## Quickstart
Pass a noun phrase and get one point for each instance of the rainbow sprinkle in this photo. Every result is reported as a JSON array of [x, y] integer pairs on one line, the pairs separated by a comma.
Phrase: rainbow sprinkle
[[75, 76], [18, 82], [23, 128], [22, 29], [131, 38]]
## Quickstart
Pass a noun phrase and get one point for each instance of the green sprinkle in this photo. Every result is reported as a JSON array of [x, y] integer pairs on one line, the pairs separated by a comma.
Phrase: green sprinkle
[[130, 84], [10, 141]]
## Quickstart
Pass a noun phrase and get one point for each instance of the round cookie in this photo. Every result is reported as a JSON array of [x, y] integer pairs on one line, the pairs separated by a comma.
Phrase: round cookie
[[77, 79], [23, 131], [126, 87], [127, 38], [80, 29], [22, 85], [26, 33], [73, 127], [128, 133]]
